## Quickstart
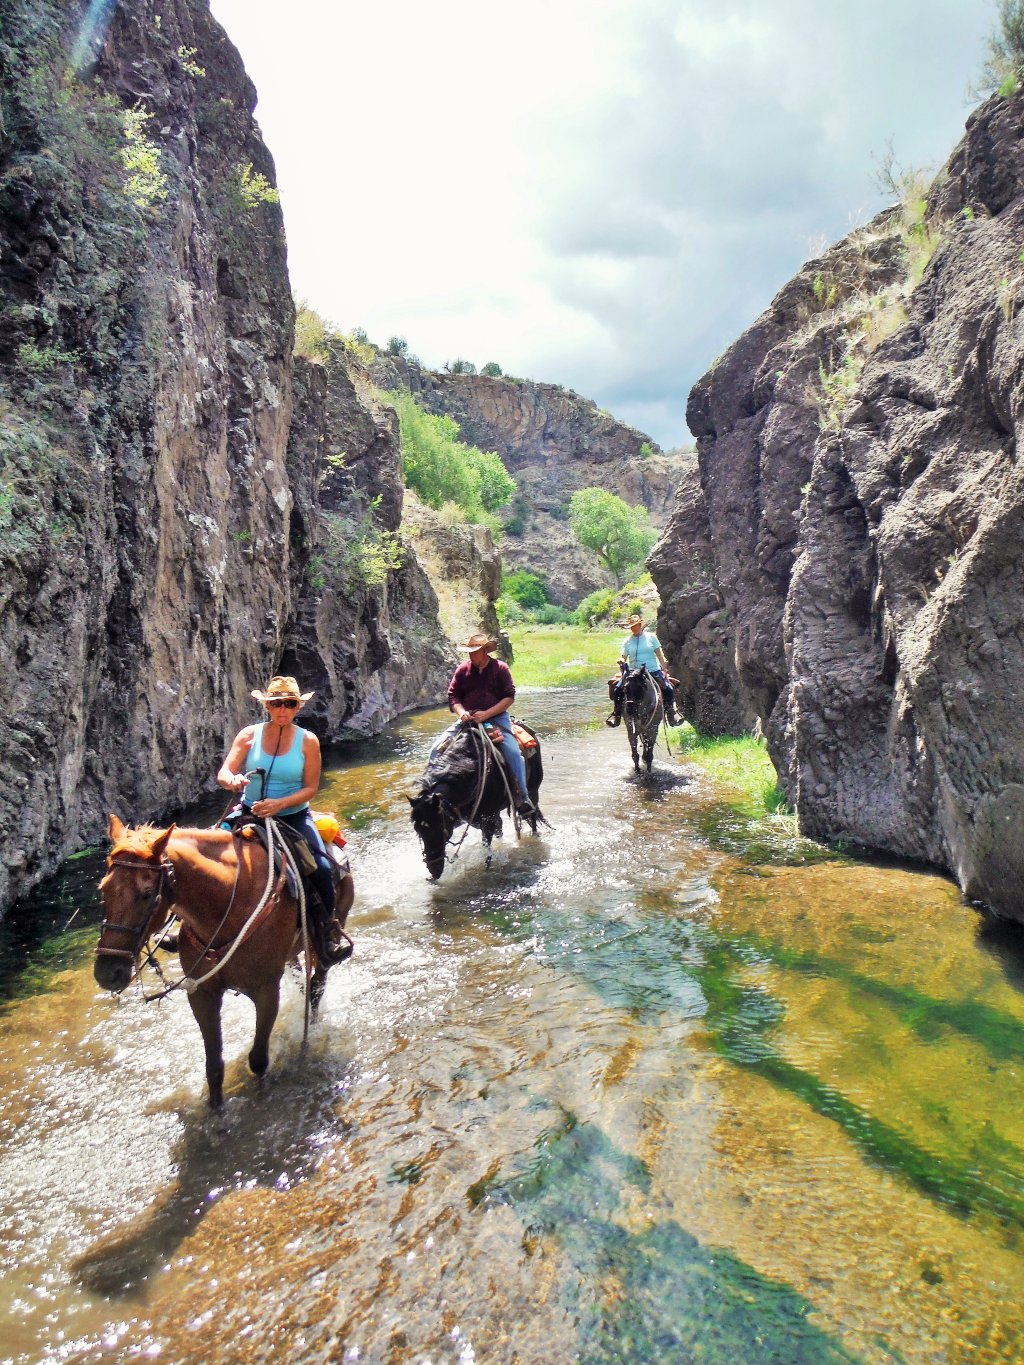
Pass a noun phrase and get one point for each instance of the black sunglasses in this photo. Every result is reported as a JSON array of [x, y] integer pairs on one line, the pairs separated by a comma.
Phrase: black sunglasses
[[280, 701]]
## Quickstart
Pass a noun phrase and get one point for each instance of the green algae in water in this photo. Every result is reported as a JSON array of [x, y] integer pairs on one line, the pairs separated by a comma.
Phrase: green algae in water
[[652, 1295], [52, 930], [681, 968]]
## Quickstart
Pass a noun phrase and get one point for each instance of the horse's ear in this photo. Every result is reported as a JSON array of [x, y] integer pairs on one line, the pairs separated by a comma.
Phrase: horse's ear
[[411, 799], [115, 829], [160, 843]]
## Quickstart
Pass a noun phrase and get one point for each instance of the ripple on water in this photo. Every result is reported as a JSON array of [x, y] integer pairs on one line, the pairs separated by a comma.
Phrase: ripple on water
[[611, 1097]]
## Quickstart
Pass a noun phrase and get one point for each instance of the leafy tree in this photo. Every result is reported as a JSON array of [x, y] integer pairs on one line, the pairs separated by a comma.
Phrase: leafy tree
[[460, 367], [442, 469], [397, 346], [528, 589], [621, 536], [492, 369], [496, 483]]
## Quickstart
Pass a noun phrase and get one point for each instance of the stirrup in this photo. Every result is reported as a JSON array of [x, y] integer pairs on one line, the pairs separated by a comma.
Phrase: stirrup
[[614, 719]]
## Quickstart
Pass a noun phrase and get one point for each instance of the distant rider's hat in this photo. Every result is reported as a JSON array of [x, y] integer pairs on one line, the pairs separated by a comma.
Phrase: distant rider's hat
[[635, 616], [281, 689], [480, 641]]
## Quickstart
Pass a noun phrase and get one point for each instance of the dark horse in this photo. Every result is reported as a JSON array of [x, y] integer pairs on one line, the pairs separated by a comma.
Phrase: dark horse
[[642, 710], [215, 884], [463, 784]]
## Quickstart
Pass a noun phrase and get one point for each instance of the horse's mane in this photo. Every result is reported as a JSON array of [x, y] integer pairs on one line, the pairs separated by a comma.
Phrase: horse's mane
[[457, 763], [139, 840]]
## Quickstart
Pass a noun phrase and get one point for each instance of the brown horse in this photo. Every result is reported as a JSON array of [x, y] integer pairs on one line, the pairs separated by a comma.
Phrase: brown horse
[[212, 882]]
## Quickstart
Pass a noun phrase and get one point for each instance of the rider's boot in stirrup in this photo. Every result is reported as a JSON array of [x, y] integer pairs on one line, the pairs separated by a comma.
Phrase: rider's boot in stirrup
[[616, 716]]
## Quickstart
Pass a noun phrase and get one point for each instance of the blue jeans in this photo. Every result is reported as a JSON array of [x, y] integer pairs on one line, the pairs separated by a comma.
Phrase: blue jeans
[[509, 748], [302, 822]]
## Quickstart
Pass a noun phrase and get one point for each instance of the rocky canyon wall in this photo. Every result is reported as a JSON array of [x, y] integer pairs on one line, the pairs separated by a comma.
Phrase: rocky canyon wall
[[552, 442], [859, 509], [170, 534]]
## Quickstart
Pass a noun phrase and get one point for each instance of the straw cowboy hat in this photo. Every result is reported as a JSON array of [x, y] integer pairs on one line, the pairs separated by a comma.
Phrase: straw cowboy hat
[[635, 616], [480, 641], [281, 689]]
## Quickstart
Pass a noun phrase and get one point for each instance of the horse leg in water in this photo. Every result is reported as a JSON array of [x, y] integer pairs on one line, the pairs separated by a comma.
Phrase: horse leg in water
[[267, 1001], [634, 750], [206, 1009]]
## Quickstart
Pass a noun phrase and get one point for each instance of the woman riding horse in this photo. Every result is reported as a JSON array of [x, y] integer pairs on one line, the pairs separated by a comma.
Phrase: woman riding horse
[[285, 761], [643, 648]]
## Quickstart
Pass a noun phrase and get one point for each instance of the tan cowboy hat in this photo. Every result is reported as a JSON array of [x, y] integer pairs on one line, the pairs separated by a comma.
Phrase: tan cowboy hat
[[279, 689], [480, 641], [635, 616]]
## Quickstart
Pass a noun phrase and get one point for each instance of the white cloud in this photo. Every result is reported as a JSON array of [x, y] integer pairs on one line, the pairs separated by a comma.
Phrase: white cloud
[[601, 193]]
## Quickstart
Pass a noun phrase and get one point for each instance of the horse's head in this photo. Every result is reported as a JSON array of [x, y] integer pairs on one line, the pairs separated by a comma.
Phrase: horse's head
[[433, 820], [137, 892], [634, 688]]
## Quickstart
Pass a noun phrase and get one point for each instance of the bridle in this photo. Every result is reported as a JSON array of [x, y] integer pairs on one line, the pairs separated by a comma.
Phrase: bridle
[[164, 872]]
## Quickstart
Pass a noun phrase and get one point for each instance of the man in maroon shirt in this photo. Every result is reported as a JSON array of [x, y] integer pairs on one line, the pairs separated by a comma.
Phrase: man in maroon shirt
[[482, 689]]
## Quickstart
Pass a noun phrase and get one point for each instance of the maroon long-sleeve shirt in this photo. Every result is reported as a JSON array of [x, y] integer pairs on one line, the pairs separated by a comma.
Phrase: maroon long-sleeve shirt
[[478, 689]]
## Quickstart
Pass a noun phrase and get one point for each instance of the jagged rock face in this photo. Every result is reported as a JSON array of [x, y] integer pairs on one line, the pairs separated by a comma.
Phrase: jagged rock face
[[875, 582], [366, 634], [693, 619], [146, 398], [553, 442]]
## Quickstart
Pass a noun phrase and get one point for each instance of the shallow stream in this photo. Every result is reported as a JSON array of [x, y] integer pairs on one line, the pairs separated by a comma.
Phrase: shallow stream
[[666, 1084]]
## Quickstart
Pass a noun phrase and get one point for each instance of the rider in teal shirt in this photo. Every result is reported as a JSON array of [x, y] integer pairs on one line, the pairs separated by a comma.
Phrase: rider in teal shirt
[[642, 647]]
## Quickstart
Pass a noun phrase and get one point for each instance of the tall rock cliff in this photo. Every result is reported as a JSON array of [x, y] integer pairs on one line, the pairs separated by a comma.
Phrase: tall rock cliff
[[168, 535], [552, 442], [861, 503]]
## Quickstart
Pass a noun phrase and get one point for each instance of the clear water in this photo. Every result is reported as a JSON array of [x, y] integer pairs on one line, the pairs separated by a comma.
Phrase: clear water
[[662, 1085]]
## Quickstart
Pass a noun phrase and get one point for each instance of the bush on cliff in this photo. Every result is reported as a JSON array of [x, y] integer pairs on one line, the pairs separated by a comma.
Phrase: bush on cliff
[[441, 469], [1004, 58]]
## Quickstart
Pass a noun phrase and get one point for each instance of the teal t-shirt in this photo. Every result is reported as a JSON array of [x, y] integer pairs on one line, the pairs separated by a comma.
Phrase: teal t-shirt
[[640, 649], [284, 771]]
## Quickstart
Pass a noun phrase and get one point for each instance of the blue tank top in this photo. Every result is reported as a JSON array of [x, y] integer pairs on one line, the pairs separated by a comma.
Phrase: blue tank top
[[285, 770]]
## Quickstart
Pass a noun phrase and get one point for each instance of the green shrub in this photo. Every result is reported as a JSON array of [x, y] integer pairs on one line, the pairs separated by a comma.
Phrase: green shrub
[[517, 516], [250, 189], [551, 615], [187, 58], [509, 612], [594, 608], [40, 359], [1004, 58], [460, 367], [311, 332], [441, 469], [646, 450], [528, 589], [358, 553], [145, 183], [492, 369], [397, 346]]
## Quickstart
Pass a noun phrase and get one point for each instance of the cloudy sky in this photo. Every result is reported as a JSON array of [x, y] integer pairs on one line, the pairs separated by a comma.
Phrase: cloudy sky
[[598, 193]]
